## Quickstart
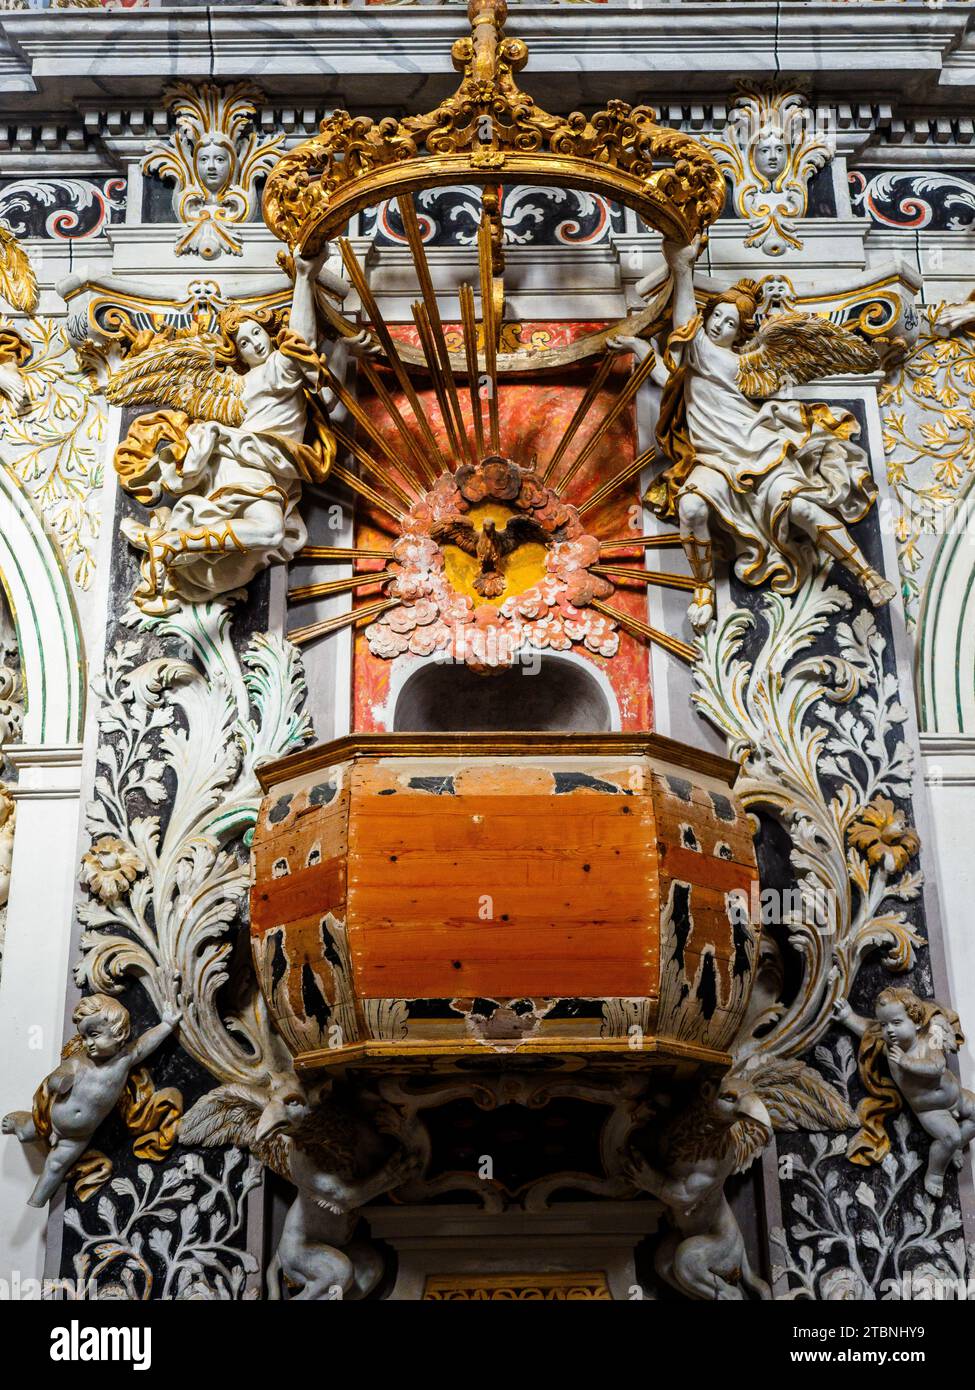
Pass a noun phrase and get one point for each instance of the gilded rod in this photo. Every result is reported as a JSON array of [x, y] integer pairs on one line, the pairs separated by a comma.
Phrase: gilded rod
[[344, 475], [612, 415], [407, 209], [490, 330], [375, 468], [396, 415], [649, 634], [361, 286], [469, 319], [660, 579], [617, 481], [338, 586], [300, 635], [581, 411]]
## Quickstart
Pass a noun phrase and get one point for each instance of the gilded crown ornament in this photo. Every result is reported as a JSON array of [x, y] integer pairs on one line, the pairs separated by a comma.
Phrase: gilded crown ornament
[[491, 130]]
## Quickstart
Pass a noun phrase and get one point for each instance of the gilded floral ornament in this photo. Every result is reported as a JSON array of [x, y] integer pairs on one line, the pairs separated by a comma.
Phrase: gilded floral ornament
[[215, 160], [51, 426], [770, 150], [109, 868], [928, 410], [487, 125], [885, 837]]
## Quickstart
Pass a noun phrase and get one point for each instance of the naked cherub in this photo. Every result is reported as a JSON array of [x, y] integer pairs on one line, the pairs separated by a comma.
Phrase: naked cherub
[[914, 1035], [85, 1087]]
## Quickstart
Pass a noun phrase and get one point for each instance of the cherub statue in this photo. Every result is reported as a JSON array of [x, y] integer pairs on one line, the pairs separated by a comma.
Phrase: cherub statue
[[89, 1083], [337, 1159], [722, 1132], [772, 475], [248, 428], [913, 1036]]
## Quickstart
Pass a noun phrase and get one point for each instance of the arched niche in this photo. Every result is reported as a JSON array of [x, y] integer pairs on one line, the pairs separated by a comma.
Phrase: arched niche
[[45, 619], [551, 691]]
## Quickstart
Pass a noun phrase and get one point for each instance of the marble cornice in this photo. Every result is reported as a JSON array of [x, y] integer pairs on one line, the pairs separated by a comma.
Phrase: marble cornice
[[578, 54]]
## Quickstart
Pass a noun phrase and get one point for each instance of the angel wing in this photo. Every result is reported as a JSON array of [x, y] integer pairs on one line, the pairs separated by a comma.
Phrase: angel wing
[[177, 368], [520, 530], [18, 283], [793, 348], [459, 533], [797, 1097], [229, 1115]]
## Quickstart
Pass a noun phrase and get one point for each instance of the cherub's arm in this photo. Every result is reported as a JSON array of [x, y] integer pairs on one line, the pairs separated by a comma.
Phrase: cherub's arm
[[845, 1015], [151, 1039], [933, 1067], [680, 261]]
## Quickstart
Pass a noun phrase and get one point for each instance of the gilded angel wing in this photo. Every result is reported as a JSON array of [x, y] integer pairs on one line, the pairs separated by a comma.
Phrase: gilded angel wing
[[177, 368], [229, 1115], [18, 283], [793, 348]]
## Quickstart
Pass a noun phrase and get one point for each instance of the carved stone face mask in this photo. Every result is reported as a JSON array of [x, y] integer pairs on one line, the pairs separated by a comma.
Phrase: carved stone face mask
[[253, 343], [770, 153], [213, 165]]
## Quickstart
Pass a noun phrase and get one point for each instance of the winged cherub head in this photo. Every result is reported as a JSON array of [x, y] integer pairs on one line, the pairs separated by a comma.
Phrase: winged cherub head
[[248, 336], [731, 316]]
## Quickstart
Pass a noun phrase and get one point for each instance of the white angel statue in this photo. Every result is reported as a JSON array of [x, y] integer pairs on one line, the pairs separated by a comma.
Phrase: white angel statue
[[249, 425], [773, 475]]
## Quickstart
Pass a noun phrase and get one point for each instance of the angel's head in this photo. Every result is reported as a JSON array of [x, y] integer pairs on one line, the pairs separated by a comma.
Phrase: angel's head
[[103, 1024], [215, 161], [249, 336], [731, 317], [770, 152], [901, 1014]]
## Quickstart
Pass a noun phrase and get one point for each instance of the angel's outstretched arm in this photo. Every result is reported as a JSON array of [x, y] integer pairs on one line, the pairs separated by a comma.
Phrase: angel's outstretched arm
[[680, 261], [303, 319]]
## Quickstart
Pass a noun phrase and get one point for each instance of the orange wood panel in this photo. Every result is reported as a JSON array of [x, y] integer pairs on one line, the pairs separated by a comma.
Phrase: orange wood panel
[[571, 883], [315, 891]]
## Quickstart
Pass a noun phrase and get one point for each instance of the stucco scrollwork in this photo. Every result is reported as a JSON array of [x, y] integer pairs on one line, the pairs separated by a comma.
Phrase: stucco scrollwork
[[187, 734]]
